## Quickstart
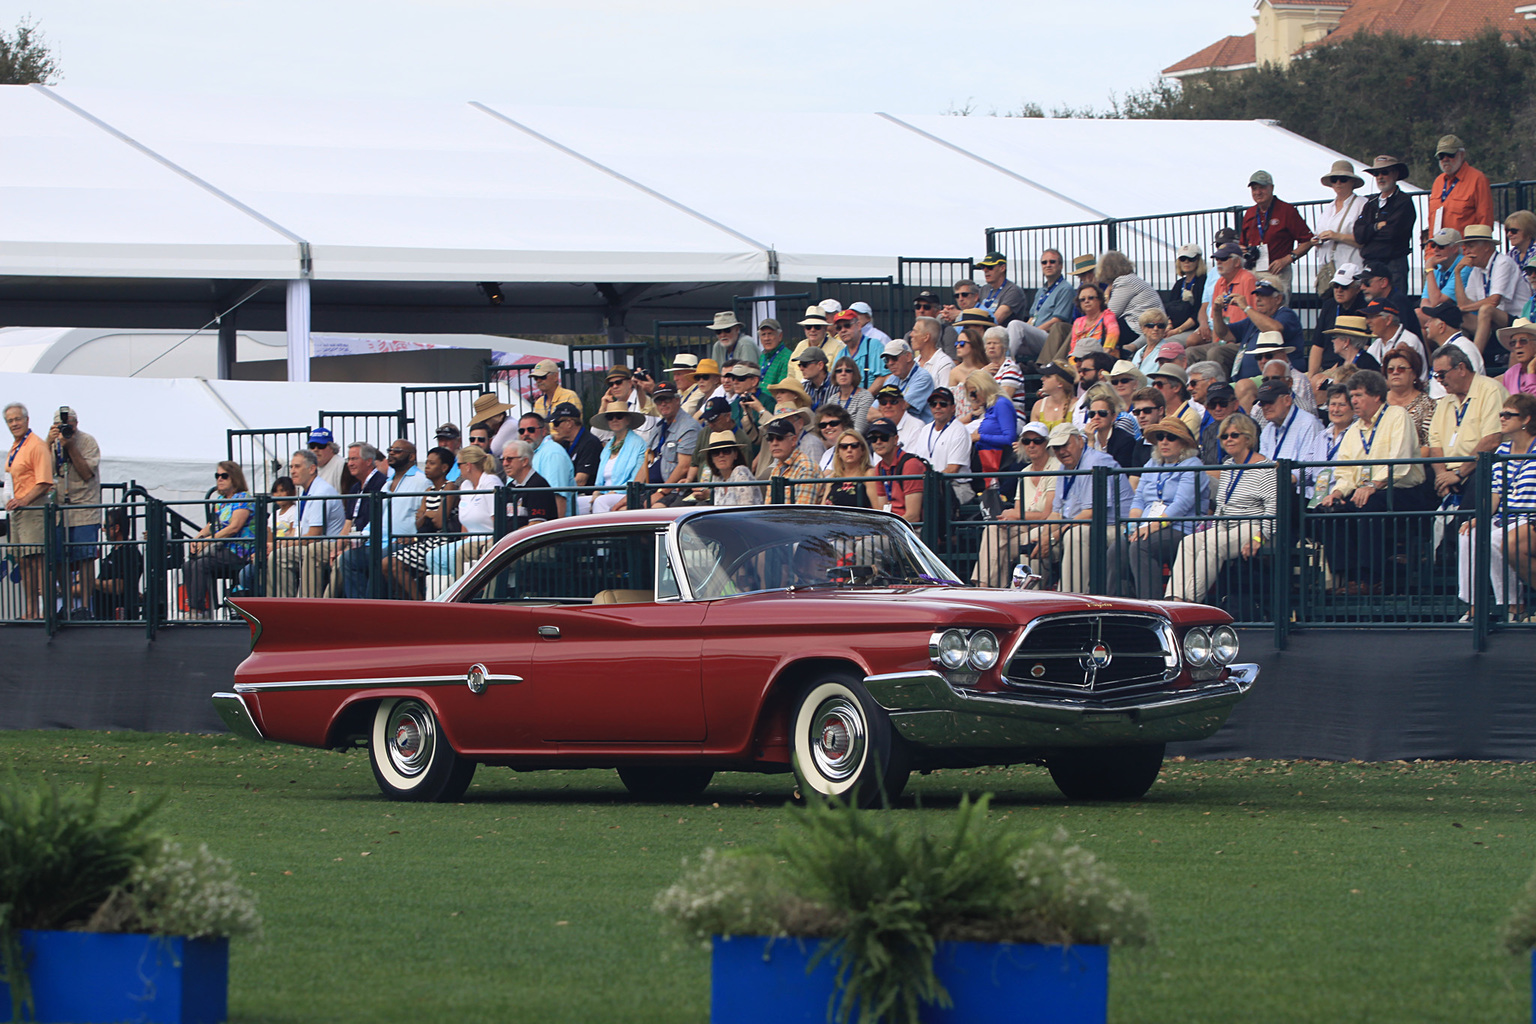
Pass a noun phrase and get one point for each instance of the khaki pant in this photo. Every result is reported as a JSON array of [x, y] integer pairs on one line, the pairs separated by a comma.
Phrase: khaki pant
[[1000, 553], [299, 568], [1201, 556]]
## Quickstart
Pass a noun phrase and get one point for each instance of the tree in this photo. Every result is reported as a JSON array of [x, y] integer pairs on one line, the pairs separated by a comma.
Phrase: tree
[[1386, 93], [25, 58]]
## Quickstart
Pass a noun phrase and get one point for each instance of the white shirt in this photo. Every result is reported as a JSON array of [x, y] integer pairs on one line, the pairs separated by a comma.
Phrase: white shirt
[[1404, 336], [907, 430], [1436, 389], [939, 367], [1502, 277], [942, 448]]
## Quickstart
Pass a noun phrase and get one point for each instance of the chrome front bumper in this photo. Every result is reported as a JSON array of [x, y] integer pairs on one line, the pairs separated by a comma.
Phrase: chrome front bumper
[[928, 712], [236, 716]]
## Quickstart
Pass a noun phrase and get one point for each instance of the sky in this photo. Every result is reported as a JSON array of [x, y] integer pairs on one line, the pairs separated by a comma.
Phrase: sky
[[819, 56]]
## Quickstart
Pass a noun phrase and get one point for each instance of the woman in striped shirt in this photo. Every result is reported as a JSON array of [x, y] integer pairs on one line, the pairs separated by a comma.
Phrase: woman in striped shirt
[[1246, 502], [1514, 513]]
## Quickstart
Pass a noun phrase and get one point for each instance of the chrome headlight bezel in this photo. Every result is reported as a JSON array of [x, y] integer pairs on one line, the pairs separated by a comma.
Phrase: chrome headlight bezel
[[1197, 647], [983, 650], [951, 650], [1224, 645]]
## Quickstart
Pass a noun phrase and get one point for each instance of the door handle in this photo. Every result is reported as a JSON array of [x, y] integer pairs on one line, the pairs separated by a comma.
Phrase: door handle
[[549, 632]]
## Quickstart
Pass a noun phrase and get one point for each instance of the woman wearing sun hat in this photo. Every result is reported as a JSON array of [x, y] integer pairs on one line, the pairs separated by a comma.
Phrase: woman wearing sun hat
[[1246, 502], [1164, 506], [1336, 230], [619, 461], [726, 459]]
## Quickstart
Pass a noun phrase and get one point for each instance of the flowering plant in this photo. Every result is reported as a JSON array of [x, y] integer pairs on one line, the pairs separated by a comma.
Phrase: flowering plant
[[883, 898]]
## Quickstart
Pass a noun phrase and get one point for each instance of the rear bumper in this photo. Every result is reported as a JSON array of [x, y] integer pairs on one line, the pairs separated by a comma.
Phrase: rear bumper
[[231, 708], [928, 712]]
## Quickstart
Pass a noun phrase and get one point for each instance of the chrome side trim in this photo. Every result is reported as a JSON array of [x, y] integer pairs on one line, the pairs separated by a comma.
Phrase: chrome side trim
[[236, 716], [362, 684]]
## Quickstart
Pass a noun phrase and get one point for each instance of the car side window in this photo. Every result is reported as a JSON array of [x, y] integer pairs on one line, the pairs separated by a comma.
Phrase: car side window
[[666, 579], [573, 569]]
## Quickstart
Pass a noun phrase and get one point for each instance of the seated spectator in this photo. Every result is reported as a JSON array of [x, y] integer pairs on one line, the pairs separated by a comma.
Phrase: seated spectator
[[866, 352], [1388, 333], [831, 421], [476, 507], [437, 524], [730, 341], [669, 457], [926, 341], [551, 461], [530, 499], [726, 461], [1288, 433], [1520, 233], [1246, 504], [1096, 324], [903, 497], [682, 370], [618, 463], [1002, 545], [996, 423], [117, 595], [284, 526], [1519, 340], [1405, 389], [817, 328], [1149, 408], [717, 417], [396, 524], [857, 486], [848, 394], [1126, 379], [946, 444], [1466, 422], [1173, 382], [1073, 505], [1201, 376], [1050, 315], [299, 564], [1006, 372], [1266, 311], [1350, 335], [546, 378], [1495, 292], [1182, 302], [1093, 366], [1058, 394], [1163, 510], [1346, 297], [1442, 326], [583, 447], [1341, 414], [1512, 539], [1104, 429], [891, 404], [1126, 295], [1001, 297], [770, 339], [814, 378], [1221, 401], [1154, 344], [902, 371], [224, 546], [1358, 548], [1529, 312], [970, 353], [788, 460], [1232, 282]]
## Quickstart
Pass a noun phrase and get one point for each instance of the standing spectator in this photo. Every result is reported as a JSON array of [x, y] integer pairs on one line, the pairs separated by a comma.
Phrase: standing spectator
[[546, 378], [927, 333], [223, 547], [551, 461], [299, 565], [1050, 312], [913, 381], [1519, 339], [1247, 501], [1466, 421], [847, 393], [1494, 292], [867, 326], [770, 338], [332, 470], [618, 462], [1097, 325], [1275, 228], [1384, 230], [669, 458], [1266, 311], [865, 352], [1406, 391], [903, 497], [1182, 304], [31, 471], [729, 341], [530, 499], [1001, 297], [1460, 195], [857, 486], [117, 596], [1074, 504], [790, 462], [1336, 236], [1126, 295], [727, 462], [77, 483], [817, 328], [1346, 297], [1514, 506], [579, 443], [1001, 546], [1165, 504]]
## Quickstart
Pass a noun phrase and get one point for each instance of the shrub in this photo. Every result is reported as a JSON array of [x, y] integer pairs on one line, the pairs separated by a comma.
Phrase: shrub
[[1519, 931]]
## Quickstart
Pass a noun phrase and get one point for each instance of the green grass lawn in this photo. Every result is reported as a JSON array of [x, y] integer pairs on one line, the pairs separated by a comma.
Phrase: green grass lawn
[[1282, 891]]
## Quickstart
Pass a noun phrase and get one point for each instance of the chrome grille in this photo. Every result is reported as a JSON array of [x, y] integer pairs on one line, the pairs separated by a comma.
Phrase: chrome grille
[[1056, 656]]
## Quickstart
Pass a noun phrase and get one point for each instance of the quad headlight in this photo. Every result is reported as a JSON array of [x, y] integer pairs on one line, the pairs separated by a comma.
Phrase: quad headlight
[[956, 649], [1224, 645], [1197, 647], [982, 650], [953, 649]]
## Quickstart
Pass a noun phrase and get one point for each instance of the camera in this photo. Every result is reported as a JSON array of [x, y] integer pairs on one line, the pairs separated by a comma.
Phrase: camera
[[642, 375], [1250, 257], [66, 428]]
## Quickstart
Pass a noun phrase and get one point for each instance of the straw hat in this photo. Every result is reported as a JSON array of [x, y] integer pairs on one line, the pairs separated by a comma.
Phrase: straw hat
[[793, 389], [1521, 326], [724, 322], [600, 420], [487, 406], [724, 440], [1343, 169], [1174, 427], [1350, 326]]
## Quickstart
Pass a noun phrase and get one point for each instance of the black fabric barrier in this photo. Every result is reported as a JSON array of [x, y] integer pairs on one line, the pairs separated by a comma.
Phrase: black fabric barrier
[[1370, 695]]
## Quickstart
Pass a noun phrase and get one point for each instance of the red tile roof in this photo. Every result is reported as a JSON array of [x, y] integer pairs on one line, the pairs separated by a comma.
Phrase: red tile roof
[[1431, 19], [1231, 52]]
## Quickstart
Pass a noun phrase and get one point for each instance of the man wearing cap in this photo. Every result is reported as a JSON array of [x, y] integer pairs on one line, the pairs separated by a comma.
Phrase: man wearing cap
[[1460, 195], [546, 377], [1001, 297], [789, 462], [944, 442], [76, 486], [1289, 432], [729, 341], [550, 460], [901, 370], [1466, 422], [866, 353], [1275, 228], [817, 335], [1074, 503], [924, 338], [905, 497], [569, 429], [744, 390], [1231, 280], [1388, 333], [892, 405], [1384, 229], [1266, 311], [1346, 298], [1376, 286], [323, 443], [770, 338], [1442, 326], [814, 376], [867, 326], [1494, 291], [447, 436], [669, 454]]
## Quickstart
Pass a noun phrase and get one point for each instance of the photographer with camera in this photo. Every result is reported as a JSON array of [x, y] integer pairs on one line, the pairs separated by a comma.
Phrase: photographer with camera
[[77, 483], [1273, 231], [1233, 281]]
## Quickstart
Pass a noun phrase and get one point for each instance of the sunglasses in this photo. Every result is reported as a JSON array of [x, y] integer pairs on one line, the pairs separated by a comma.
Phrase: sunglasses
[[891, 401], [1122, 380], [890, 359], [527, 430], [923, 305], [540, 376], [849, 446], [1504, 414], [1033, 440], [1147, 410], [1232, 436], [1099, 414], [830, 425], [840, 369], [964, 295], [1339, 179], [1380, 174], [1186, 259], [1440, 374], [1049, 263], [940, 403], [1399, 369], [962, 343], [318, 447], [482, 441], [616, 416], [221, 476]]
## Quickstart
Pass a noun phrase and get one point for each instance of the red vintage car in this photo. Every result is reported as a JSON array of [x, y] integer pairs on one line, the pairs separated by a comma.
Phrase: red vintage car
[[673, 644]]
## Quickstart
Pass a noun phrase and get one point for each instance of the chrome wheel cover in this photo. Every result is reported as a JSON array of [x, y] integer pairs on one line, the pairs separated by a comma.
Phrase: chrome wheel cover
[[837, 738], [412, 737]]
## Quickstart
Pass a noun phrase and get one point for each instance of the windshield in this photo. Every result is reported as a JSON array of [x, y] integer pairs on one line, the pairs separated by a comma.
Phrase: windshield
[[727, 553]]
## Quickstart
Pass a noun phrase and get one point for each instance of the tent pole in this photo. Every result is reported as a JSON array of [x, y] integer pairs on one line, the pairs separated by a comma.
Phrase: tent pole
[[227, 356], [298, 330]]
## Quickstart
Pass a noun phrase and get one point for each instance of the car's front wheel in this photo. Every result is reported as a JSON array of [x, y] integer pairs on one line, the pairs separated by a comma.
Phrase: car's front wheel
[[411, 757], [1107, 773], [670, 782], [844, 746]]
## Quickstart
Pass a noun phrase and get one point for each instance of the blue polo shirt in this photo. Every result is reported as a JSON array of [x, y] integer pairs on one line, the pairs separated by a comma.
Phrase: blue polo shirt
[[916, 389], [1247, 335]]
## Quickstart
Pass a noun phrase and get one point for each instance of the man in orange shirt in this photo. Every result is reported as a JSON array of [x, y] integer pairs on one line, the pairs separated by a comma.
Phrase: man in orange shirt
[[1234, 279], [31, 469], [1460, 195]]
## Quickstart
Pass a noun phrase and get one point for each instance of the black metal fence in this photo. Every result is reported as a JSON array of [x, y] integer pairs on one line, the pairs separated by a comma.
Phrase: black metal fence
[[264, 454]]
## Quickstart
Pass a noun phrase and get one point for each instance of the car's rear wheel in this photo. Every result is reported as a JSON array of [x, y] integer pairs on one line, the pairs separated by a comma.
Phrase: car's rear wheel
[[670, 782], [844, 746], [411, 758], [1107, 773]]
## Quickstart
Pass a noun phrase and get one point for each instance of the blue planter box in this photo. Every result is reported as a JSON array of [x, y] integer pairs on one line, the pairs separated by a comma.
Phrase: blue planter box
[[754, 980], [91, 978]]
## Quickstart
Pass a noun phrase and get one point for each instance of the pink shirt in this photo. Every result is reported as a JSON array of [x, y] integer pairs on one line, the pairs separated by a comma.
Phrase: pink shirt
[[1517, 380]]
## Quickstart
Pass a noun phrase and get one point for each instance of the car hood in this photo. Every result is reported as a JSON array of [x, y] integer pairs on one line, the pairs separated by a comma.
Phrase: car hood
[[956, 604]]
